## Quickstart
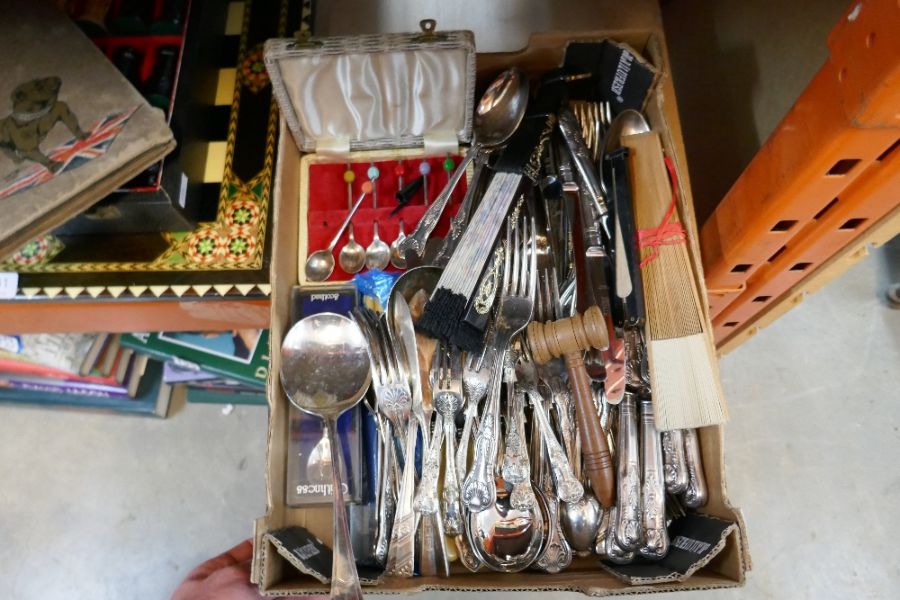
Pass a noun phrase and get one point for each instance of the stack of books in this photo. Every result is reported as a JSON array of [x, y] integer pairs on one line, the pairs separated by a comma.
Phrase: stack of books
[[81, 370], [228, 367]]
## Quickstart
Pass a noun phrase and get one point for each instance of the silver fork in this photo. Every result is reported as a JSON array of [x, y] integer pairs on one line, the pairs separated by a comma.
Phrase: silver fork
[[475, 381], [567, 486], [514, 312], [548, 307], [392, 403], [447, 391], [394, 400], [516, 467]]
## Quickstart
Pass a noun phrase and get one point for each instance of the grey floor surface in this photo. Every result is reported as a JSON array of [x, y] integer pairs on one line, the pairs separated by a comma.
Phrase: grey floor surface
[[112, 508]]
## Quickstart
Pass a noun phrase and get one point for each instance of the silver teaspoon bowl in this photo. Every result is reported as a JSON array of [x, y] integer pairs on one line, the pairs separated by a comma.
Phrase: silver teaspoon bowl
[[378, 254], [353, 256], [580, 521]]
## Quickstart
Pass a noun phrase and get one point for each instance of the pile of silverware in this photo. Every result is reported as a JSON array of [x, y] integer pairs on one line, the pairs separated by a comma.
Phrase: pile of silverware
[[510, 382]]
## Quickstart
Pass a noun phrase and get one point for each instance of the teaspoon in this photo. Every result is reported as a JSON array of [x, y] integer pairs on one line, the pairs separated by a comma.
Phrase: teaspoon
[[378, 254], [320, 264], [353, 255], [396, 257]]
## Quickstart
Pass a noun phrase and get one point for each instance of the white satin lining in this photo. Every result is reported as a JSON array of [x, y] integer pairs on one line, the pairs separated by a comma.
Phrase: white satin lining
[[378, 95]]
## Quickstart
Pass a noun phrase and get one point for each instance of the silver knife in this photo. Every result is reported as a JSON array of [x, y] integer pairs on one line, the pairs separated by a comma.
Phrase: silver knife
[[401, 558]]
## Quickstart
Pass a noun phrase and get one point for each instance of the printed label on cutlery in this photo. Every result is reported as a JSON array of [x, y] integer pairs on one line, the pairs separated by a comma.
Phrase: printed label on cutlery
[[622, 78]]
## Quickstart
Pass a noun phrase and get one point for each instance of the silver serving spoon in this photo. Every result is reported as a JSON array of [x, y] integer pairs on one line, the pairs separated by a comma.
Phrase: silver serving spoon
[[324, 372], [504, 538], [396, 257], [320, 264], [497, 116]]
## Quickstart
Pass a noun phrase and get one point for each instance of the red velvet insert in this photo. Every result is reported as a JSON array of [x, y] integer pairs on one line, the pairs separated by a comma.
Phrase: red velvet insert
[[328, 204]]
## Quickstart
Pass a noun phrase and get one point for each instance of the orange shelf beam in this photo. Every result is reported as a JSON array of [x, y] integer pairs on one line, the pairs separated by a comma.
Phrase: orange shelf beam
[[829, 172]]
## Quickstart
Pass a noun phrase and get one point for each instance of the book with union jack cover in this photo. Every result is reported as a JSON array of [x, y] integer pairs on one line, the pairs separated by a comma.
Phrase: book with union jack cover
[[72, 129]]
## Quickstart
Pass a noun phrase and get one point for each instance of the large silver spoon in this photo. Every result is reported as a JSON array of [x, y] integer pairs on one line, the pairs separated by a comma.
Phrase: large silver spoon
[[324, 372], [320, 264], [497, 116], [504, 538]]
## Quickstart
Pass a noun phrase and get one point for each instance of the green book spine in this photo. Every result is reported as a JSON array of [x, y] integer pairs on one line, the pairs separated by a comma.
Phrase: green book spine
[[235, 355], [202, 396]]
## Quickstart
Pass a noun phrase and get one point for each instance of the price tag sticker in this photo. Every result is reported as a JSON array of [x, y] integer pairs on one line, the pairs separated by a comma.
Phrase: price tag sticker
[[9, 284]]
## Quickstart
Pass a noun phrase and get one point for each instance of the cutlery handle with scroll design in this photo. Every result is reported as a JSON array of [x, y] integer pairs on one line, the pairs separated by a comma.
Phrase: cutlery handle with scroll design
[[515, 466], [415, 241], [386, 500], [696, 493], [462, 451], [653, 493], [450, 495], [628, 524], [674, 465], [401, 554], [568, 488], [479, 490], [427, 496]]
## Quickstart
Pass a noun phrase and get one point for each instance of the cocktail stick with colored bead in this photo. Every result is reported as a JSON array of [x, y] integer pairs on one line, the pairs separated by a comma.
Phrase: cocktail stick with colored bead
[[349, 178], [425, 170], [378, 254]]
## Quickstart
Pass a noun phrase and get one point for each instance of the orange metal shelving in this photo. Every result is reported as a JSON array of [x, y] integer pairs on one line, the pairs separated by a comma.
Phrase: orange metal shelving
[[829, 173]]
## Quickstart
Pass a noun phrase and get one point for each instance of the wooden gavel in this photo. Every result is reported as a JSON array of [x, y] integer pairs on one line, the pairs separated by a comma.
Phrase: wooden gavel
[[569, 338]]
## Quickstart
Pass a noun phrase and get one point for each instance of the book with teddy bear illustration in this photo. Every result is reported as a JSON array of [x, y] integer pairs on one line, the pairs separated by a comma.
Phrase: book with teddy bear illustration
[[72, 129]]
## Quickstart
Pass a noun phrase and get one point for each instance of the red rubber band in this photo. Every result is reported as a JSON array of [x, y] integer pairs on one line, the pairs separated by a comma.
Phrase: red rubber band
[[666, 233]]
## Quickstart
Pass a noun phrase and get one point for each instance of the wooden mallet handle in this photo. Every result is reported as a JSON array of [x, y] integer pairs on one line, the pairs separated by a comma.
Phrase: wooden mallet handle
[[595, 456], [569, 338]]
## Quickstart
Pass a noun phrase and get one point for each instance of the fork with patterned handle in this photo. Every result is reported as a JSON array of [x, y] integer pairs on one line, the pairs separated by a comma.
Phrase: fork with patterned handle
[[514, 312]]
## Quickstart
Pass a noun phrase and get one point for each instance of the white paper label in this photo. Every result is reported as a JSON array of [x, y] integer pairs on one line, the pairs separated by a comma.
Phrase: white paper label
[[9, 283]]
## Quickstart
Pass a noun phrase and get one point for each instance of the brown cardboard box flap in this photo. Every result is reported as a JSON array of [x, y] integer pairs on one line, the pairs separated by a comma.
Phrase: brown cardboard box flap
[[402, 90], [72, 129]]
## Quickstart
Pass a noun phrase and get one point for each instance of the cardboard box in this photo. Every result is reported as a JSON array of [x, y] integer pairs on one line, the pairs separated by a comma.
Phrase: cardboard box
[[275, 576]]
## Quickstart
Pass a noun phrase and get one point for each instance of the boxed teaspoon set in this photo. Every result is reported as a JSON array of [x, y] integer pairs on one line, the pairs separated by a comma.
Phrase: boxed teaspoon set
[[378, 126]]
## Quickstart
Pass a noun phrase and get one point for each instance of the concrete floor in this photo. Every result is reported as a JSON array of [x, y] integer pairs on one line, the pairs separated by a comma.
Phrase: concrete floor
[[99, 507]]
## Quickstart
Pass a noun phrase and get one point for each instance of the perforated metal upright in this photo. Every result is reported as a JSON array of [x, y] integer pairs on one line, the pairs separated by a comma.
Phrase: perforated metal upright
[[824, 184]]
